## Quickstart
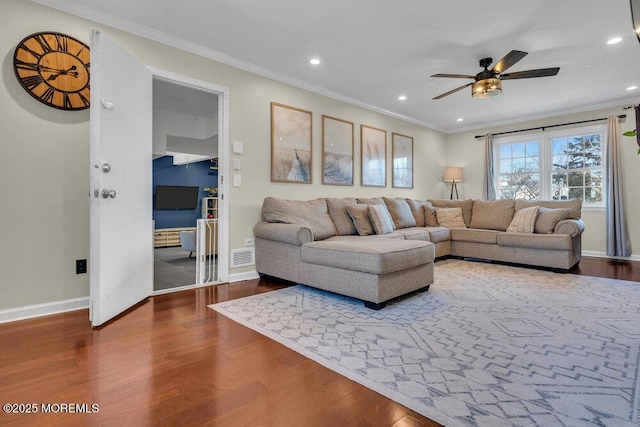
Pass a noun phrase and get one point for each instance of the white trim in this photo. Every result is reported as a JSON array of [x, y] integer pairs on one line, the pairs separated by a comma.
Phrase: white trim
[[45, 309], [597, 254], [185, 288], [160, 37], [240, 277]]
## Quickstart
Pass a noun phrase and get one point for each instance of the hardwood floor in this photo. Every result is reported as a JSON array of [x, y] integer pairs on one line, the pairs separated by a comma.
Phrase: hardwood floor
[[173, 361]]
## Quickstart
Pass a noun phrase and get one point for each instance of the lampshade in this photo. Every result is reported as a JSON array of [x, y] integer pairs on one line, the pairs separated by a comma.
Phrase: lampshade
[[487, 88], [452, 174]]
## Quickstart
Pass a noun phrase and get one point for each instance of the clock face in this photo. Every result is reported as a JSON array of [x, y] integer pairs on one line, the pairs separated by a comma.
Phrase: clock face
[[54, 69]]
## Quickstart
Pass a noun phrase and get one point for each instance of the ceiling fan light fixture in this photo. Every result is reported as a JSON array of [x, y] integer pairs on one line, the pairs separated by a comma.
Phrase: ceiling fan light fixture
[[487, 88]]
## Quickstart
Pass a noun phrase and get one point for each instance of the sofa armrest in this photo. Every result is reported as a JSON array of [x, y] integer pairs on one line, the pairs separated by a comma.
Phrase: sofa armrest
[[294, 234], [572, 227]]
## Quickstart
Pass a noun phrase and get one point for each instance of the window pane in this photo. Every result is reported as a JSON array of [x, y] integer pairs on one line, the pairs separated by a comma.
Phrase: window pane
[[559, 145], [574, 145], [576, 179], [518, 165], [505, 151], [518, 149], [576, 193], [505, 166], [560, 161], [533, 148]]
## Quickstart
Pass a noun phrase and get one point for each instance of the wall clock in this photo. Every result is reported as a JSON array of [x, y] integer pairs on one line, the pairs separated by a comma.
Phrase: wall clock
[[54, 69]]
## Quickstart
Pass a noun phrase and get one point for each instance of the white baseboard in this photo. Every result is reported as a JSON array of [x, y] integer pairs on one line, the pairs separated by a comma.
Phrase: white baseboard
[[597, 254], [247, 275], [37, 310]]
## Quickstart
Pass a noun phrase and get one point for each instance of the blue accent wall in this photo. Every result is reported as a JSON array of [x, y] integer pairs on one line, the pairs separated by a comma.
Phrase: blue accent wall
[[192, 174]]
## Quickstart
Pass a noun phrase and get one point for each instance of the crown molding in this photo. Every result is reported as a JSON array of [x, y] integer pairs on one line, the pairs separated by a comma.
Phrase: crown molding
[[196, 49]]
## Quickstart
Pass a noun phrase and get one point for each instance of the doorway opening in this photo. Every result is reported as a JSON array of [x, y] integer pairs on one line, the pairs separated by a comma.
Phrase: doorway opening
[[187, 185]]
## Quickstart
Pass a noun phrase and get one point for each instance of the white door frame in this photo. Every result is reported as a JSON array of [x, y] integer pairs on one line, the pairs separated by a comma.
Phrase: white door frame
[[223, 153]]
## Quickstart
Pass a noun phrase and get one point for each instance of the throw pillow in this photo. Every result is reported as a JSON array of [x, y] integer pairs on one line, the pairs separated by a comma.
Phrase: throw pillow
[[381, 219], [450, 217], [524, 221], [400, 212], [466, 205], [338, 213], [430, 215], [423, 212], [548, 218], [360, 216]]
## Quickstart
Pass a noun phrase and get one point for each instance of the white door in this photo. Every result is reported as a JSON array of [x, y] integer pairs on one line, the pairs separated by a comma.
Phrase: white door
[[121, 232]]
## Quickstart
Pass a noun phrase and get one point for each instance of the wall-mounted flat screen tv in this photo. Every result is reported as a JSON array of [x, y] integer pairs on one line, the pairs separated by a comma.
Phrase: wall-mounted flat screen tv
[[176, 197]]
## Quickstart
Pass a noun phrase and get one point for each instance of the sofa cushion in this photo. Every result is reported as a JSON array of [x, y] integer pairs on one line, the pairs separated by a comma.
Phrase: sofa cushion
[[524, 221], [549, 218], [439, 234], [492, 214], [450, 217], [359, 214], [574, 205], [370, 201], [400, 212], [381, 219], [338, 212], [466, 206], [361, 255], [414, 233], [474, 235], [561, 242], [312, 213]]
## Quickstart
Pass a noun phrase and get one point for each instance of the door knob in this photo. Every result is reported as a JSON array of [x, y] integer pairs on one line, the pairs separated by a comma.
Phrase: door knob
[[108, 193]]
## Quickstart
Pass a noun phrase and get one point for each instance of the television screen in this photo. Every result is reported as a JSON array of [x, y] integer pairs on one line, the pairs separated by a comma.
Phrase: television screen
[[176, 197]]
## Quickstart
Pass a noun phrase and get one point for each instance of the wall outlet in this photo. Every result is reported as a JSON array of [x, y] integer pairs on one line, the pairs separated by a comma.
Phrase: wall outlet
[[81, 266], [249, 242]]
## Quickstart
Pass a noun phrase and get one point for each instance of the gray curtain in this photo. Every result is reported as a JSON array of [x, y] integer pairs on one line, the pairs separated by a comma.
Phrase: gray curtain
[[488, 184], [618, 243]]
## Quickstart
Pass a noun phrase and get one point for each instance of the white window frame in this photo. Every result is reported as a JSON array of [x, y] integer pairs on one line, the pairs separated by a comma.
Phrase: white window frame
[[546, 156]]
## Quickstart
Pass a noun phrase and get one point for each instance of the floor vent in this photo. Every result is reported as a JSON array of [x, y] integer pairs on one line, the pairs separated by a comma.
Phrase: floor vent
[[242, 257]]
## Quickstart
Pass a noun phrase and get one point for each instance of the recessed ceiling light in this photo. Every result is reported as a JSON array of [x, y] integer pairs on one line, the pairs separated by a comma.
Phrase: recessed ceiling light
[[614, 40], [402, 97], [632, 88], [314, 61], [460, 119]]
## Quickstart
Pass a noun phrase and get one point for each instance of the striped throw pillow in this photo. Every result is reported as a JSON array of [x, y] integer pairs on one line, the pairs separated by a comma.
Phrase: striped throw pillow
[[524, 220], [381, 219]]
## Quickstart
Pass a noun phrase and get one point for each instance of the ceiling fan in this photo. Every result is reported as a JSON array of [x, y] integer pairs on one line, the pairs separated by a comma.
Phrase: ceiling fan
[[488, 83]]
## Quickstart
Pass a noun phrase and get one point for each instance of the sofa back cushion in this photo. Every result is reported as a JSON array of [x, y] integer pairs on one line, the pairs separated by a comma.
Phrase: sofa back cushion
[[465, 205], [338, 213], [492, 214], [370, 201], [359, 214], [400, 212], [574, 205], [423, 212], [311, 213]]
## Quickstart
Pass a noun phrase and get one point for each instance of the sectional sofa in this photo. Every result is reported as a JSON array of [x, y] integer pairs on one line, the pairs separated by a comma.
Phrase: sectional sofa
[[377, 249]]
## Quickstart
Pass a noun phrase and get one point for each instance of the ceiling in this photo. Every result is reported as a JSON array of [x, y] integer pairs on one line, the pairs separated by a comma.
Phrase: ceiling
[[373, 51]]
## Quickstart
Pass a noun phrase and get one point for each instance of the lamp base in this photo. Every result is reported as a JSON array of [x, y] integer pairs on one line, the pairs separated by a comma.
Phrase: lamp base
[[454, 186]]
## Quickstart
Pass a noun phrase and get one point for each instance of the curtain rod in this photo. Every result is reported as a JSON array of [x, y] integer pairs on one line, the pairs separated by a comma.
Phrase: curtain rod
[[620, 117]]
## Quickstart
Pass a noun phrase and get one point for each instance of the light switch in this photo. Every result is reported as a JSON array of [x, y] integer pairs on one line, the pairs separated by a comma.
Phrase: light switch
[[237, 180], [236, 164], [237, 147]]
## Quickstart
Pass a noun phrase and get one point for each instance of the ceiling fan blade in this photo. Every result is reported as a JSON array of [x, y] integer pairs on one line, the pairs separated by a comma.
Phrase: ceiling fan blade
[[455, 76], [509, 60], [528, 74], [453, 91]]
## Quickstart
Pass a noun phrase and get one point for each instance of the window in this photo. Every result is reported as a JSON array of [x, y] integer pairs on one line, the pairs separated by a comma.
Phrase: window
[[557, 165]]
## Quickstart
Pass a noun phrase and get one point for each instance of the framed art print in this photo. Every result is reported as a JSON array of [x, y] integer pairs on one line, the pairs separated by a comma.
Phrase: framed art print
[[373, 156], [402, 154], [337, 151], [290, 144]]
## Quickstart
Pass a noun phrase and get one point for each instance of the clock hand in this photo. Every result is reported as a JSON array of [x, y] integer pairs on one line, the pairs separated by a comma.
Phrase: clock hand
[[68, 72]]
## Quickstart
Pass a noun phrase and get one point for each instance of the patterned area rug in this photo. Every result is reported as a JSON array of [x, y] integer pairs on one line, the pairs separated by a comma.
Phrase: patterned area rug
[[488, 345]]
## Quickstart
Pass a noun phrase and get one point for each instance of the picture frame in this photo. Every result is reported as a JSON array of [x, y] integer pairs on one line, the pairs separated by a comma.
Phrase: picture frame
[[291, 144], [402, 166], [373, 156], [337, 151]]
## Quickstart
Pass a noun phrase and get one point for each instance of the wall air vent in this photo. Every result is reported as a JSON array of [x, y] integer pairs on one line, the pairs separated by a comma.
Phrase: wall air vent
[[243, 257]]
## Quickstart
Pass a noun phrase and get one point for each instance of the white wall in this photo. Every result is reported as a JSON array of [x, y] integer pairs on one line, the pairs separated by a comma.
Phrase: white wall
[[464, 150], [44, 157]]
